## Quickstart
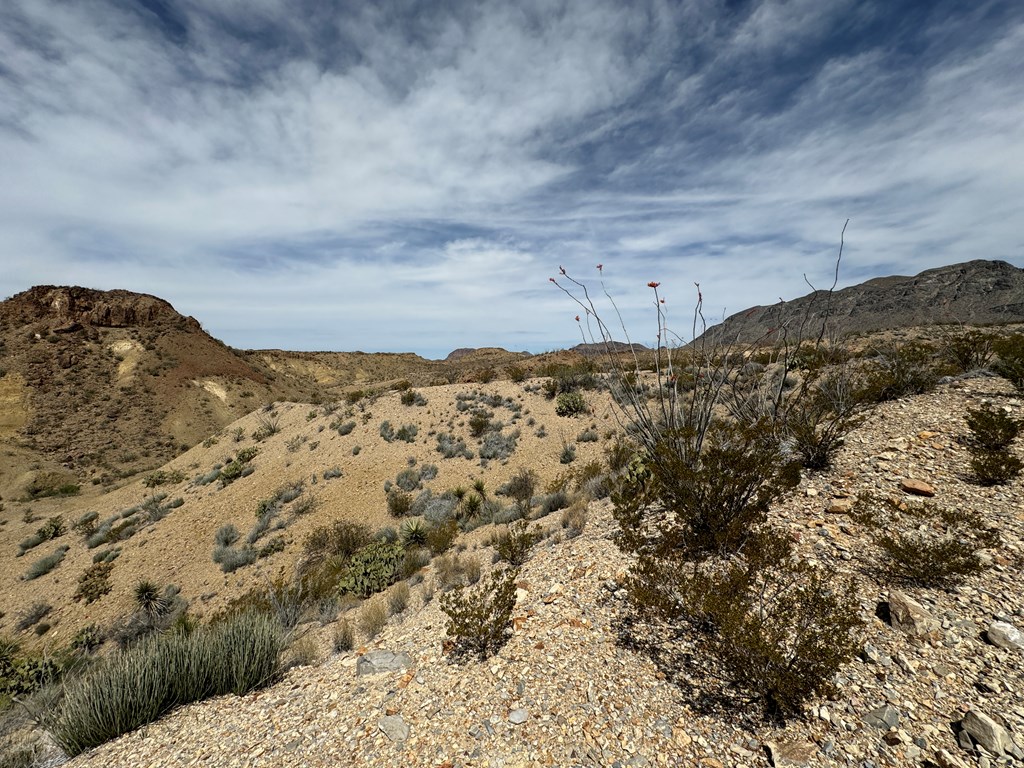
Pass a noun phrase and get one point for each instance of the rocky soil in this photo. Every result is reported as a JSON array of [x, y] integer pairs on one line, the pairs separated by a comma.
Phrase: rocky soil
[[938, 682]]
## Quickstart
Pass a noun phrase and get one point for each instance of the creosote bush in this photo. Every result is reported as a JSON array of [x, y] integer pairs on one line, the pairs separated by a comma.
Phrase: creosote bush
[[570, 404], [926, 544], [992, 434], [513, 544], [480, 618]]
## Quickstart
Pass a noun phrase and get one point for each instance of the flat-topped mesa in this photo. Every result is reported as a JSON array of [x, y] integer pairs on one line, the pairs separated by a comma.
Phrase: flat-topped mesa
[[68, 308]]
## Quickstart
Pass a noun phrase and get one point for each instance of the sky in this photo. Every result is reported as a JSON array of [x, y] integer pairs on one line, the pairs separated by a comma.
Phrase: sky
[[407, 176]]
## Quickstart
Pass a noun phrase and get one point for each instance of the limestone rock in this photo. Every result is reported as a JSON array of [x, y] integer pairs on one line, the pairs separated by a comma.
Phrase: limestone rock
[[883, 718], [790, 753], [987, 732], [394, 727], [376, 662], [1005, 636], [911, 618]]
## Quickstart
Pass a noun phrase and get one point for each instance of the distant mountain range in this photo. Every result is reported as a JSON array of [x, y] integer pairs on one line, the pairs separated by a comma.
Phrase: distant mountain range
[[976, 292]]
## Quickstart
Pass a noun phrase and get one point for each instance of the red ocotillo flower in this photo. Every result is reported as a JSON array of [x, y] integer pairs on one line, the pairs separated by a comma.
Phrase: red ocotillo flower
[[653, 284]]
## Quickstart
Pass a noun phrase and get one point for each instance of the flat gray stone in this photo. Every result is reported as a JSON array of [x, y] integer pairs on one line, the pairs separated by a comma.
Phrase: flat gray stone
[[883, 718], [517, 716], [376, 662], [987, 732], [394, 727], [1005, 636]]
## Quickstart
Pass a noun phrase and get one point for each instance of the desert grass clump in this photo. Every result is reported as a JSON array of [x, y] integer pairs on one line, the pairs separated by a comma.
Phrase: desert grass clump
[[398, 598], [44, 565], [343, 640], [498, 445], [480, 618], [35, 614], [226, 535], [137, 686], [373, 616], [574, 520], [450, 446], [230, 559]]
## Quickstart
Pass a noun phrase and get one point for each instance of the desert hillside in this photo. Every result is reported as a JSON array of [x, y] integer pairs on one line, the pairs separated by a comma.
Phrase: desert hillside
[[571, 688]]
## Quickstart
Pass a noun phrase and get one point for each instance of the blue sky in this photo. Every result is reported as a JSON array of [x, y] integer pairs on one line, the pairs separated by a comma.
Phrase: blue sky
[[405, 176]]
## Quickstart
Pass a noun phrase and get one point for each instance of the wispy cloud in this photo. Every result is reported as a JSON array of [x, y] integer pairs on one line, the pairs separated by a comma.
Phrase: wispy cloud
[[387, 177]]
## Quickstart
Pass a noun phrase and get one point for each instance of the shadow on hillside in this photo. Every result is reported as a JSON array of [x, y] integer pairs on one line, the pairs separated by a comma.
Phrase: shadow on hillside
[[679, 655]]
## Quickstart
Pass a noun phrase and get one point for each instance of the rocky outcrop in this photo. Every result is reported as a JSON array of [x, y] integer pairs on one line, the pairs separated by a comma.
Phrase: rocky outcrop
[[974, 293], [70, 308]]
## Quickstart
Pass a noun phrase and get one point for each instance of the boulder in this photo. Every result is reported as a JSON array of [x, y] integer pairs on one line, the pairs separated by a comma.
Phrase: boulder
[[987, 732], [1005, 636]]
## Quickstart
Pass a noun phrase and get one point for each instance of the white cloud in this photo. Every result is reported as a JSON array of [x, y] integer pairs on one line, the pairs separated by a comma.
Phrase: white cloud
[[413, 183]]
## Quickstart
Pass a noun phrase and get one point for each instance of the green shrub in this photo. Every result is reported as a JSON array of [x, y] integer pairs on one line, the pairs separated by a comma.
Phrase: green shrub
[[441, 537], [817, 419], [399, 503], [513, 545], [708, 501], [372, 569], [516, 373], [1010, 365], [44, 565], [991, 429], [522, 487], [995, 467], [480, 618], [898, 370], [967, 350], [94, 582], [52, 528], [87, 639], [86, 524], [926, 544], [479, 422], [570, 404], [137, 686]]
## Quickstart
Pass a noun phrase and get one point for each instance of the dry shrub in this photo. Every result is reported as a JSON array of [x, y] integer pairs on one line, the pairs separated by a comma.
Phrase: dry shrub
[[372, 617], [398, 598]]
